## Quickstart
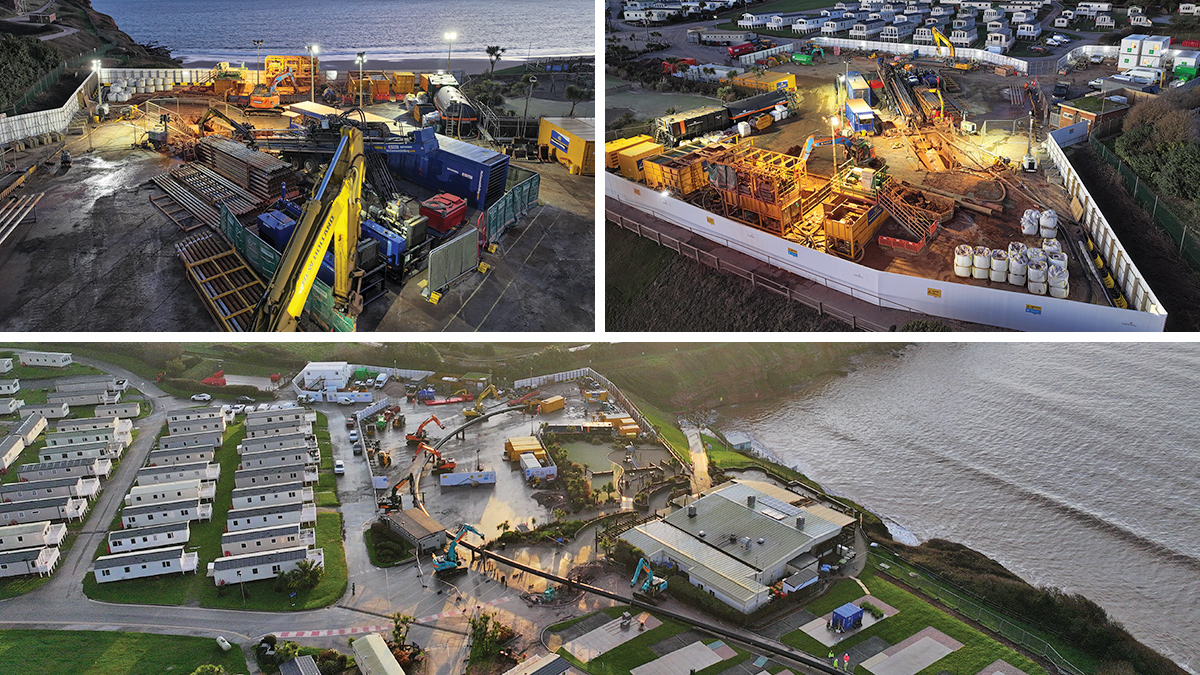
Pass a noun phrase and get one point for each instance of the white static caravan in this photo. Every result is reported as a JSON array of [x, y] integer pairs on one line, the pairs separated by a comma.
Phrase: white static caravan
[[59, 439], [154, 536], [151, 475], [46, 411], [269, 458], [122, 428], [286, 429], [1029, 31], [68, 467], [274, 418], [266, 565], [32, 535], [5, 365], [897, 32], [835, 26], [271, 538], [142, 564], [165, 512], [9, 406], [39, 561], [171, 492], [10, 386], [83, 397], [52, 508], [126, 410], [190, 414], [267, 516], [286, 442], [808, 25], [103, 382], [84, 487], [109, 450], [964, 37], [866, 30], [1187, 8], [180, 456], [11, 448], [275, 474], [278, 493], [196, 426], [203, 439], [46, 359], [751, 20]]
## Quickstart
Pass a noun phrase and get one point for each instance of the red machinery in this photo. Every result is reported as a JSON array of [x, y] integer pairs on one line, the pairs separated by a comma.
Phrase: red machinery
[[445, 212]]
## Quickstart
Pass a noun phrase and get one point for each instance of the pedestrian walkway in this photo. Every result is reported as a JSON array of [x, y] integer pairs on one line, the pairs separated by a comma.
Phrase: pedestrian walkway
[[357, 630], [914, 654], [609, 636], [462, 611], [692, 658], [1001, 667]]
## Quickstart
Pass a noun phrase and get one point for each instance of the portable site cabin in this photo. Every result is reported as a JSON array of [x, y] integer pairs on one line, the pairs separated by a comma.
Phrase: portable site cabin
[[847, 617]]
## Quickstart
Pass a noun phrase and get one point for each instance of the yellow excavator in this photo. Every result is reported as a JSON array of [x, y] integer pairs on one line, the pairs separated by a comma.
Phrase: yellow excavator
[[471, 413], [330, 218], [939, 39]]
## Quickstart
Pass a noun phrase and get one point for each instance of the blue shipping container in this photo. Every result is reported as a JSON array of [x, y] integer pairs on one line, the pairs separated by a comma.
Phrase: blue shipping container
[[476, 174]]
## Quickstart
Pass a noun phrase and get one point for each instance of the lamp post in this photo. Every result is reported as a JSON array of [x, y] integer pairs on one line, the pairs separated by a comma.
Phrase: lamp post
[[528, 93], [312, 71], [96, 70], [834, 125], [450, 38], [360, 60], [257, 51]]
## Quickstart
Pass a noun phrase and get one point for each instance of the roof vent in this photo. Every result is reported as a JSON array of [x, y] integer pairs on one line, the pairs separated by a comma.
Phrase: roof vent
[[691, 510], [761, 541], [749, 501], [800, 523], [702, 533], [733, 538]]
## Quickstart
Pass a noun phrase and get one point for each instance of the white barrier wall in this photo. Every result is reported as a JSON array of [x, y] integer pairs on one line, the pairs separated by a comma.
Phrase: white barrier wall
[[926, 50], [18, 127], [1137, 291], [182, 76], [989, 306]]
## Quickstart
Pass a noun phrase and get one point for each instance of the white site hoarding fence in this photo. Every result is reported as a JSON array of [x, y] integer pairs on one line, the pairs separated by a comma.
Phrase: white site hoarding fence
[[171, 76], [19, 127], [374, 408], [1016, 310], [928, 51], [1136, 290]]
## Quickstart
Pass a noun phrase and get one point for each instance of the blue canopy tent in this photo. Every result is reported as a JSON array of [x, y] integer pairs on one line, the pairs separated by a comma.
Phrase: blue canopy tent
[[847, 617]]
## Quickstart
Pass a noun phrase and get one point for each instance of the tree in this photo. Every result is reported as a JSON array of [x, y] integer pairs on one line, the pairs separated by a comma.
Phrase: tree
[[331, 662], [400, 624], [306, 575], [575, 95], [494, 52], [504, 526], [209, 669]]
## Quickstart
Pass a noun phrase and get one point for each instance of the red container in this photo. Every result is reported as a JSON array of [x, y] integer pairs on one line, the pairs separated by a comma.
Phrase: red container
[[445, 212], [1191, 43]]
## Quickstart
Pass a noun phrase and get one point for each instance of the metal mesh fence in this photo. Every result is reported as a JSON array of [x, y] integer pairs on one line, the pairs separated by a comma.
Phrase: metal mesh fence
[[892, 565], [521, 196], [51, 78], [453, 259], [265, 259], [1173, 225]]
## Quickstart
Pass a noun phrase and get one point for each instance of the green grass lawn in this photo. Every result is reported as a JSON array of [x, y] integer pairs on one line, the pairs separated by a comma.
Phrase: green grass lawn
[[914, 615], [724, 457], [54, 652], [11, 587], [667, 430], [206, 540]]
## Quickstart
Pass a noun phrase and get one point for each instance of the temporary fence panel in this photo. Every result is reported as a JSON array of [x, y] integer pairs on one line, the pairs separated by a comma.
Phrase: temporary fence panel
[[51, 78], [453, 259], [522, 195], [1136, 290], [20, 127], [565, 376], [926, 50], [265, 259]]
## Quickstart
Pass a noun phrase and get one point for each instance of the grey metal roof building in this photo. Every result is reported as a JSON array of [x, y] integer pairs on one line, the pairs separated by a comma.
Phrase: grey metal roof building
[[260, 533], [301, 665], [265, 558]]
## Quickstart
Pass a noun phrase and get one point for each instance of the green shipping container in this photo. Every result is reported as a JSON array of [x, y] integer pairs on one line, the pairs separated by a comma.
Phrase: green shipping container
[[1186, 72], [805, 59]]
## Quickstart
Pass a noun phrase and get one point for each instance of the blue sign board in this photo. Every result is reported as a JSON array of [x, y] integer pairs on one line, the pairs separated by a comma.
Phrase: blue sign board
[[559, 140]]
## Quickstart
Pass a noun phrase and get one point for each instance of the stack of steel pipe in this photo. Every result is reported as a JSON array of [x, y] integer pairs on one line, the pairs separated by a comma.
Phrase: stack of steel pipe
[[13, 213], [261, 174], [203, 212], [214, 188], [228, 287]]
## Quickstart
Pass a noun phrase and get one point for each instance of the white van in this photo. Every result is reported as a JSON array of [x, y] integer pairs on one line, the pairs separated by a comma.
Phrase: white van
[[381, 380]]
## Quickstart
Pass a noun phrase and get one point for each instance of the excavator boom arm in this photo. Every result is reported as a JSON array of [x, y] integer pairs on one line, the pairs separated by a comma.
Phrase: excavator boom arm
[[330, 217]]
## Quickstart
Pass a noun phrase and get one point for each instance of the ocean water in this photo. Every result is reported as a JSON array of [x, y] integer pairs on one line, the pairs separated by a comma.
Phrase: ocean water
[[224, 30], [1074, 465]]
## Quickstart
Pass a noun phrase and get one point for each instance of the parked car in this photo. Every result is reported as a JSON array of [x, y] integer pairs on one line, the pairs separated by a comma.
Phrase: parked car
[[1097, 83], [353, 435], [339, 467], [201, 397], [1062, 38], [1097, 58], [345, 400], [239, 409], [358, 448], [1061, 89], [245, 399]]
